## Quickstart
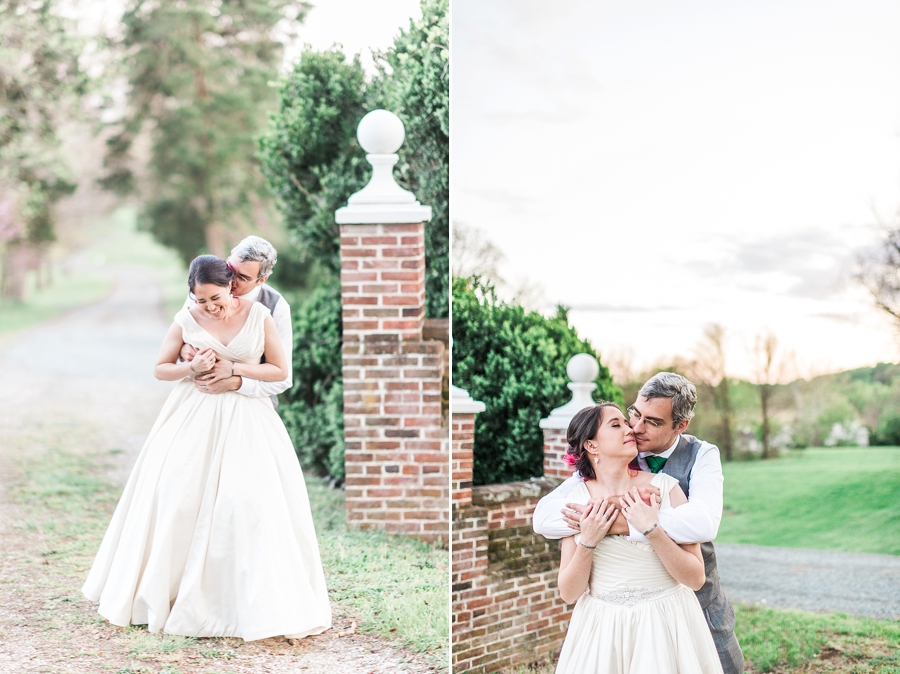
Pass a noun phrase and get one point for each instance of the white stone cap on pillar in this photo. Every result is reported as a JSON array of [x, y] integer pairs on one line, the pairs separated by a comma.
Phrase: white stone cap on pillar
[[382, 201], [582, 370], [462, 403]]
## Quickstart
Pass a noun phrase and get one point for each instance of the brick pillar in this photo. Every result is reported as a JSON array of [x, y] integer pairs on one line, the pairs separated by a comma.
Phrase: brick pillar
[[396, 448], [555, 447], [463, 441], [469, 558]]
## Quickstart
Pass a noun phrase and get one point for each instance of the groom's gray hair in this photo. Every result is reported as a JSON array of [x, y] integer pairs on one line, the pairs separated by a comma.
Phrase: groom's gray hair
[[670, 385], [256, 248]]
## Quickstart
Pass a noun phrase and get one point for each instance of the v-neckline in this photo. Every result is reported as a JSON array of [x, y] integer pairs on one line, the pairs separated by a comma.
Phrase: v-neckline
[[230, 341]]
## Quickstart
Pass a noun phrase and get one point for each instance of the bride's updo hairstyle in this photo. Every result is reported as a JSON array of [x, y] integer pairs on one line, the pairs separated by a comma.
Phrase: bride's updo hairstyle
[[584, 427], [209, 269]]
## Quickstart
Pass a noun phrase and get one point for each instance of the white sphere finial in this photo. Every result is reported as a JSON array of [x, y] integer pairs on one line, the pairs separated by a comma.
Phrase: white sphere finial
[[583, 368], [380, 132]]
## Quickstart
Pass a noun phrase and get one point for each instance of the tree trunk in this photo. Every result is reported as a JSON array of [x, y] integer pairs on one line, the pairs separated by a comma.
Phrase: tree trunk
[[727, 419], [765, 390], [15, 269]]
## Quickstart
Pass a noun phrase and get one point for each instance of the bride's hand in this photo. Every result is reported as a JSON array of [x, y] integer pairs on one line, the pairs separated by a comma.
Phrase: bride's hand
[[640, 515], [203, 361], [596, 521]]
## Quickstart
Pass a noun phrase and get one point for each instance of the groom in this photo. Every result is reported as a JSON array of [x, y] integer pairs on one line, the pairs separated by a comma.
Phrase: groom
[[659, 416], [251, 261]]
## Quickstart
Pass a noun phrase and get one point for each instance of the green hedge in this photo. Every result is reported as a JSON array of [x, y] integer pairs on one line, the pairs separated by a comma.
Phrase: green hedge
[[514, 361]]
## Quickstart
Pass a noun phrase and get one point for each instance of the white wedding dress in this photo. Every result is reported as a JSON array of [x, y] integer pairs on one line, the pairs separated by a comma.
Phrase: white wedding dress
[[213, 535], [635, 618]]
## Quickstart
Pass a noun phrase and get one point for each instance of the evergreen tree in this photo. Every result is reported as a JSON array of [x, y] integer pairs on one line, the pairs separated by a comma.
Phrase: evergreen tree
[[198, 72]]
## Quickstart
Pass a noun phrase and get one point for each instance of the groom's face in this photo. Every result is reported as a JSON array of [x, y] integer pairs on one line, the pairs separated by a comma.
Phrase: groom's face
[[651, 420], [246, 275]]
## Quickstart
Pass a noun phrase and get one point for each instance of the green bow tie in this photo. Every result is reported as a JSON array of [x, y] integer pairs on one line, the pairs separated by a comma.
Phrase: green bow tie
[[655, 462]]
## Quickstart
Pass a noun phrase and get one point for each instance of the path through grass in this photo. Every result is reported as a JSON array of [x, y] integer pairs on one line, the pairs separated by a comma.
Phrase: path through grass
[[820, 499], [85, 277]]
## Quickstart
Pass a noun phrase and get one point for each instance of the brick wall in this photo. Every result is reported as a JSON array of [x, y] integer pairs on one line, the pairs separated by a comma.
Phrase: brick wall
[[396, 446], [506, 608]]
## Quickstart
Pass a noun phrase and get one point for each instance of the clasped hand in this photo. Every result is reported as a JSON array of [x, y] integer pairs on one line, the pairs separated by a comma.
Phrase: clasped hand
[[596, 521], [574, 512], [210, 369], [639, 514]]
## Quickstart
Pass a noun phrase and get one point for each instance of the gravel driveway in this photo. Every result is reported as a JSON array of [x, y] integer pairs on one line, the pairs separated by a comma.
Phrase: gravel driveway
[[859, 584]]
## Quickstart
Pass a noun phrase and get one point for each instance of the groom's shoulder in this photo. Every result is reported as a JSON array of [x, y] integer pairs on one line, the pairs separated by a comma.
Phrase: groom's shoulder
[[270, 297], [702, 445], [707, 450]]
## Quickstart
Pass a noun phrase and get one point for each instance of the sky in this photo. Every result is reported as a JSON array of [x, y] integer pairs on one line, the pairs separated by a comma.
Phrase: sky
[[661, 166]]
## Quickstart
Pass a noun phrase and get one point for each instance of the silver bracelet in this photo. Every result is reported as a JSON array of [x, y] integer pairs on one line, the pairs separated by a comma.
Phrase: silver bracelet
[[584, 545], [651, 529], [232, 368]]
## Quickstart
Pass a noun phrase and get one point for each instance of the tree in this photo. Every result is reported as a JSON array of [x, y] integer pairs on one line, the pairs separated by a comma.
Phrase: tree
[[415, 85], [310, 154], [515, 362], [879, 272], [710, 372], [40, 83], [313, 163], [198, 74], [768, 371]]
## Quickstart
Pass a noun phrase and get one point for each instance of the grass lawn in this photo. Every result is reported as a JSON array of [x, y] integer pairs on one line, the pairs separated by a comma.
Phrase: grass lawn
[[820, 499], [397, 586]]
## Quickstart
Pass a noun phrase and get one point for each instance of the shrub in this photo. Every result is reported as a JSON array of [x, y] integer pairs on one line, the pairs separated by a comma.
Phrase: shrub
[[515, 362], [313, 411]]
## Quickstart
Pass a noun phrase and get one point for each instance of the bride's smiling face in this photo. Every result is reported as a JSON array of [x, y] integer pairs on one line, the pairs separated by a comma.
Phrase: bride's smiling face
[[614, 436], [213, 300]]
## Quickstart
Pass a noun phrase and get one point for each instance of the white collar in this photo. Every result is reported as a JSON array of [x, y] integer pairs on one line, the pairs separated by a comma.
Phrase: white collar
[[252, 295], [663, 455]]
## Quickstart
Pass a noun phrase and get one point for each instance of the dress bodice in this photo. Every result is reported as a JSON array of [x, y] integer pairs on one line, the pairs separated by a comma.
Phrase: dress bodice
[[246, 347], [626, 571]]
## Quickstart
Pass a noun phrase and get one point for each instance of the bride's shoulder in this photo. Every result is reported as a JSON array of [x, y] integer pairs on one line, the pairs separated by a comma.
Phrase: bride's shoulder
[[665, 482]]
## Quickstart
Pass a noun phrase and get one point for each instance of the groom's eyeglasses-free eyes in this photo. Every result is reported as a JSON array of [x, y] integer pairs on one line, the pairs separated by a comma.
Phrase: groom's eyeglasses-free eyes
[[636, 417], [240, 277]]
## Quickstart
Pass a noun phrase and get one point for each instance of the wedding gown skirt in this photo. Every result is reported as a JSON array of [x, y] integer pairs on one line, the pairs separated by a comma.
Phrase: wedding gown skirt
[[213, 535], [635, 618]]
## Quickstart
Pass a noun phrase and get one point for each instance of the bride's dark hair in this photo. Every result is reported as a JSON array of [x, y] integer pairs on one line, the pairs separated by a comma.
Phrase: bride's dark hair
[[209, 269], [584, 427]]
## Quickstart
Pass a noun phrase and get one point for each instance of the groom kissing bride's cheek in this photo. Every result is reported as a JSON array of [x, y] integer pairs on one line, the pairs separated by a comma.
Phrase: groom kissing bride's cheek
[[637, 521]]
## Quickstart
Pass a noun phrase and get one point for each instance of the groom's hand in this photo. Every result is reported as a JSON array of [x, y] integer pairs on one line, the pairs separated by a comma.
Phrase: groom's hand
[[221, 370], [187, 353], [218, 385]]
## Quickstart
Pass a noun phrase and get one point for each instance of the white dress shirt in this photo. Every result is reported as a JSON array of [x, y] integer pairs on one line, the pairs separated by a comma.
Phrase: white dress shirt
[[255, 388], [697, 521]]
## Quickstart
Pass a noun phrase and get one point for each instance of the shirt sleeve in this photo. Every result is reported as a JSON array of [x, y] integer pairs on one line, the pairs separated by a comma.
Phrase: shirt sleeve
[[547, 519], [254, 388], [697, 521]]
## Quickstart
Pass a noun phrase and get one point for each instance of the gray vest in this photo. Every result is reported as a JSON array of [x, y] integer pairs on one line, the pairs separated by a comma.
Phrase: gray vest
[[679, 466], [268, 298], [716, 607]]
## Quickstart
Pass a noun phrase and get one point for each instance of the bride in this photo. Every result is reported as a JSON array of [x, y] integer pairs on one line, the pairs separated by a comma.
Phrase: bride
[[635, 610], [213, 535]]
